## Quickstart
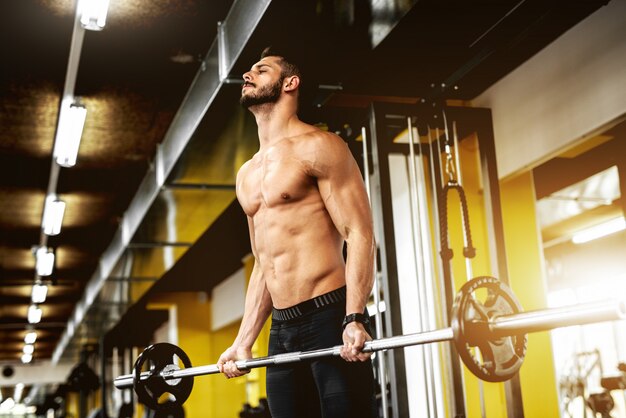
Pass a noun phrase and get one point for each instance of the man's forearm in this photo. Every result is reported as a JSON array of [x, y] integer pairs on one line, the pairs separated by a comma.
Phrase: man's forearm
[[359, 270], [258, 306]]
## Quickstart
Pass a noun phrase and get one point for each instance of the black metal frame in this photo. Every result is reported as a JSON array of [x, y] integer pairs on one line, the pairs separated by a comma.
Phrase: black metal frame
[[469, 120]]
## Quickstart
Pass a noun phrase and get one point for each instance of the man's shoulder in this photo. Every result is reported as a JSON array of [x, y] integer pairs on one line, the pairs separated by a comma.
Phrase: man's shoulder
[[321, 150], [244, 168], [317, 138]]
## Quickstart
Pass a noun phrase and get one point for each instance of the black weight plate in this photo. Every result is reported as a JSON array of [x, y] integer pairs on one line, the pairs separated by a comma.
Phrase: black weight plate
[[155, 359], [493, 359]]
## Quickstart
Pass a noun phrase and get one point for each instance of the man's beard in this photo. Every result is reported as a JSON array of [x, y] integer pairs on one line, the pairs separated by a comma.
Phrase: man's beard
[[267, 94]]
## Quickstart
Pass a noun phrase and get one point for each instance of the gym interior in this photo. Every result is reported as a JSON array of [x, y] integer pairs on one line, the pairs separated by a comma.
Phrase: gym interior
[[491, 137]]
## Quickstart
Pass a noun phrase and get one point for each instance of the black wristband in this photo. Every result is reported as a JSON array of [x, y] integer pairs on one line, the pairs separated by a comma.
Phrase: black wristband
[[355, 317]]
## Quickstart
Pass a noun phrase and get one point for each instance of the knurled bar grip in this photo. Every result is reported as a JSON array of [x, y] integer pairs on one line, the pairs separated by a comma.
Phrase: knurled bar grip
[[523, 322]]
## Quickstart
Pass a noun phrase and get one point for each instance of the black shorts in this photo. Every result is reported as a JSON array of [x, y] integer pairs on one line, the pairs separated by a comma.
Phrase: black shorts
[[324, 387]]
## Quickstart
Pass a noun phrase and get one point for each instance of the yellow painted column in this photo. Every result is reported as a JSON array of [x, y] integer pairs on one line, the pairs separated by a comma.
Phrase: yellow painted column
[[193, 312], [524, 259], [71, 404]]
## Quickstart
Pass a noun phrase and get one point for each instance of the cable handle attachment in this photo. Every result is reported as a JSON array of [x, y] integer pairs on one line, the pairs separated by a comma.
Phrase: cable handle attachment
[[469, 251]]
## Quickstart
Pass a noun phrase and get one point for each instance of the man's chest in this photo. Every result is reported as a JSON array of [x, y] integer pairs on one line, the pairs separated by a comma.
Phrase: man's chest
[[271, 181]]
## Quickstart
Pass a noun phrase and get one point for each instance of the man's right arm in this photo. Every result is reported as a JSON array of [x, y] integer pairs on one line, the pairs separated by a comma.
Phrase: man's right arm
[[258, 306]]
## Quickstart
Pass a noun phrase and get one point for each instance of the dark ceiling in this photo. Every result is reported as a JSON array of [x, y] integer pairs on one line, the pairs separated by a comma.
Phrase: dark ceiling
[[134, 74], [130, 80]]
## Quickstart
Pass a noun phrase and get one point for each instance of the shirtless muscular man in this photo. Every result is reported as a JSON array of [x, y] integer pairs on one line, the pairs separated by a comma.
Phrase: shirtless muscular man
[[304, 197]]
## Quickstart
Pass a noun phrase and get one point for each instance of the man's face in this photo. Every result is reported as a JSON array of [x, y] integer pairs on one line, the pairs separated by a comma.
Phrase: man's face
[[263, 83]]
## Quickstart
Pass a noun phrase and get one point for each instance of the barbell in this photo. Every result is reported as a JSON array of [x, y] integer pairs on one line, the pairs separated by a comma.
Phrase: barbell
[[488, 329]]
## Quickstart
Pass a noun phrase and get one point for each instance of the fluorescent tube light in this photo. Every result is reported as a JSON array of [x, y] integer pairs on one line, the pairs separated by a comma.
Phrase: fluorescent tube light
[[30, 337], [26, 358], [93, 14], [39, 293], [599, 231], [29, 349], [53, 212], [18, 391], [34, 314], [44, 261], [8, 403], [69, 132]]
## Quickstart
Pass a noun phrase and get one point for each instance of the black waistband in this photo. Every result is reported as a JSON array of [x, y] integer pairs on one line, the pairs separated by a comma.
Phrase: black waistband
[[302, 308]]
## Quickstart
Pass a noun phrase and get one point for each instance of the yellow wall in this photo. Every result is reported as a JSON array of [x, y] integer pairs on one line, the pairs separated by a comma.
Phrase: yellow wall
[[227, 395], [213, 396], [524, 257], [256, 378]]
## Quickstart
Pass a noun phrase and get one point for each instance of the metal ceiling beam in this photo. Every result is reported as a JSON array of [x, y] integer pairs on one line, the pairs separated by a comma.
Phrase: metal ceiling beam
[[233, 35]]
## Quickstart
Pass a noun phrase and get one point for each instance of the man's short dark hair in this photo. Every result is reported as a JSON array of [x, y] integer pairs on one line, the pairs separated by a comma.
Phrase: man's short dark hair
[[287, 62]]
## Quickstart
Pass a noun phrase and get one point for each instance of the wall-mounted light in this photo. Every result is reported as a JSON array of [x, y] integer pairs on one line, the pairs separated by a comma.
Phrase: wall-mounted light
[[71, 122], [600, 230], [39, 293], [30, 337], [44, 260], [53, 212], [93, 13], [34, 314], [29, 349], [26, 358]]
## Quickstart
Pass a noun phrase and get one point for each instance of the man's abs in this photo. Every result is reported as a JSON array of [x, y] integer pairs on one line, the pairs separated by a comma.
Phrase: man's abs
[[299, 252]]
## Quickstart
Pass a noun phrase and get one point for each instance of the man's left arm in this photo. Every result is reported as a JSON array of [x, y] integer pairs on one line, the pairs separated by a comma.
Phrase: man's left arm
[[343, 192]]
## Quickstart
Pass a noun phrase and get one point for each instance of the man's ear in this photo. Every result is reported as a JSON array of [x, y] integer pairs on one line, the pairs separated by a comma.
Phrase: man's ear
[[291, 83]]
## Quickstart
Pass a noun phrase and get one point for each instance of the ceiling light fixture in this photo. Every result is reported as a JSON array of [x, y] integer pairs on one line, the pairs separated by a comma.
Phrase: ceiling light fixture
[[600, 230], [26, 358], [8, 403], [34, 314], [29, 349], [70, 130], [17, 392], [39, 293], [44, 260], [30, 337], [93, 14], [53, 212]]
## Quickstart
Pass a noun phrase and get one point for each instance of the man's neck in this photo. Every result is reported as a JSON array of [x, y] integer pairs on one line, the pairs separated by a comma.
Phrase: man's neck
[[275, 121]]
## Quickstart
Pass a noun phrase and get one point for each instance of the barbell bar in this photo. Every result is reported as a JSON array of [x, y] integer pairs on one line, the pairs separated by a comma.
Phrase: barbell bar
[[494, 329]]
